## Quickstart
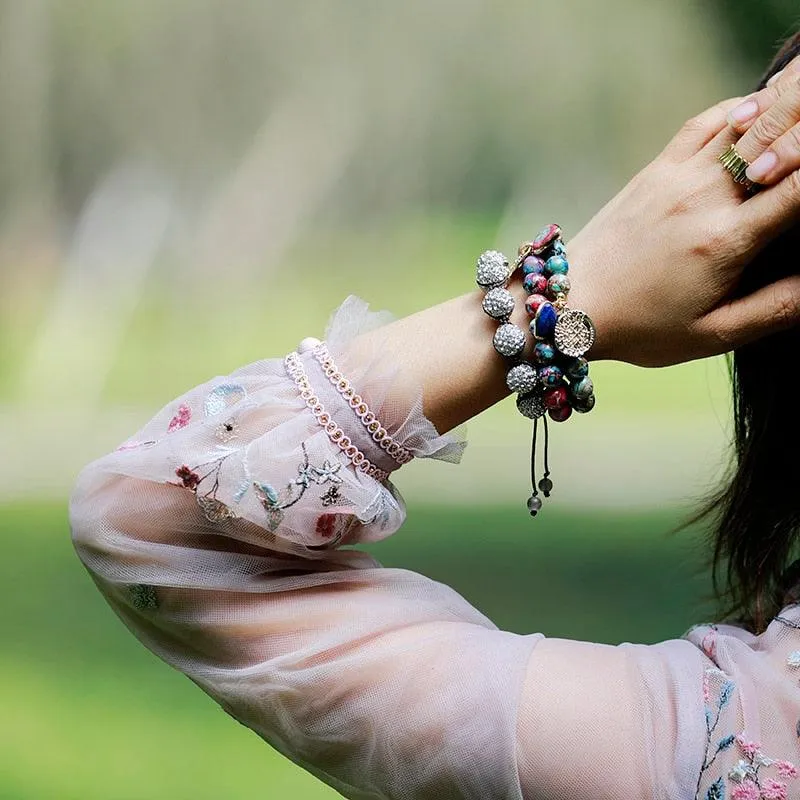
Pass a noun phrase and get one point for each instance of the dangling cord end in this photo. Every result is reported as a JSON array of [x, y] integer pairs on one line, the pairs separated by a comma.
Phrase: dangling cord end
[[545, 484], [534, 501]]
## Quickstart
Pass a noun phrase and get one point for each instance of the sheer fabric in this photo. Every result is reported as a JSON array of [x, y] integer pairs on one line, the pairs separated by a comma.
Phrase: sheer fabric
[[216, 535]]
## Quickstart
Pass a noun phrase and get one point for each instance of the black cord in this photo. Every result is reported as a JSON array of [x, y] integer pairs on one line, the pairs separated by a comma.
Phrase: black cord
[[533, 458]]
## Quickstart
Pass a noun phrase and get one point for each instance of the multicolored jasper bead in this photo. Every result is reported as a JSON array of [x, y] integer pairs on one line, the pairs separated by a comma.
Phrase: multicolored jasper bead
[[582, 388], [543, 353], [558, 284], [556, 265], [544, 323], [533, 265], [522, 378], [556, 397], [498, 303], [559, 248], [545, 238], [492, 270], [534, 302], [560, 414], [551, 375], [509, 340], [576, 368], [584, 406], [535, 283]]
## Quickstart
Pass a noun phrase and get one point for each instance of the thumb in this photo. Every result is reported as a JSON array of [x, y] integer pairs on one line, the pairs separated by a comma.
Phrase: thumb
[[768, 310]]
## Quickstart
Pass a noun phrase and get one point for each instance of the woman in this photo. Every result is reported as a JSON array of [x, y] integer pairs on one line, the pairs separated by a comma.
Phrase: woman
[[215, 532]]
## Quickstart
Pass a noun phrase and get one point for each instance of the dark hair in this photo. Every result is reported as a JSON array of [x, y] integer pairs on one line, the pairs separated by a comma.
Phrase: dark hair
[[756, 513]]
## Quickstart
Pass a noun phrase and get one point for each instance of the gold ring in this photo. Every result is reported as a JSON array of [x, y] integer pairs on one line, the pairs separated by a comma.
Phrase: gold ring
[[737, 165]]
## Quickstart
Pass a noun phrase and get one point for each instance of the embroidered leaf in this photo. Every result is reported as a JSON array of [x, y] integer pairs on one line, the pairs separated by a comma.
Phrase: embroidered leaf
[[725, 693], [709, 717], [274, 519], [214, 510], [725, 743], [222, 397], [267, 494], [716, 791], [241, 491]]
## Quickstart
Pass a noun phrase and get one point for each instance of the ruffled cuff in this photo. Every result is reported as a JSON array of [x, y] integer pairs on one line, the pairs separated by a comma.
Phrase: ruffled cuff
[[383, 386]]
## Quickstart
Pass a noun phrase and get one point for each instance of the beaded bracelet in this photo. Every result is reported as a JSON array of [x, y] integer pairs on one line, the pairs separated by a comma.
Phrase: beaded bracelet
[[295, 369], [379, 434], [563, 336]]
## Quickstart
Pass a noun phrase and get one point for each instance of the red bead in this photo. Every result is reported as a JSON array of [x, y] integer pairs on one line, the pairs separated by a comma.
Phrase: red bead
[[560, 414], [556, 398], [533, 302], [545, 237], [535, 284]]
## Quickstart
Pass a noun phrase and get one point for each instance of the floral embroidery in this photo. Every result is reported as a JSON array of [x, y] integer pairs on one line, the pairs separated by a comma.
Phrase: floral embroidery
[[181, 419], [143, 596], [748, 782], [213, 509], [227, 430], [189, 478], [333, 497], [223, 396]]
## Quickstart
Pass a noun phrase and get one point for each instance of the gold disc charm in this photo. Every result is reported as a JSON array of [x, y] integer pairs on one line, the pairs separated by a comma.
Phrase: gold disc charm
[[575, 333]]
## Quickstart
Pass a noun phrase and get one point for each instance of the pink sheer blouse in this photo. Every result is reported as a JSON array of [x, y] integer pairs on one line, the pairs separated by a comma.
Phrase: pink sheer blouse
[[216, 535]]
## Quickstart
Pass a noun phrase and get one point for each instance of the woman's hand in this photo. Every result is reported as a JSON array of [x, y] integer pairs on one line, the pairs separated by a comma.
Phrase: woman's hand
[[657, 268]]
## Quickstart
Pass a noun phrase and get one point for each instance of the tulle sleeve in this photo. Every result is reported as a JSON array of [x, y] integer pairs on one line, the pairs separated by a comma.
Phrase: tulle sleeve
[[218, 534]]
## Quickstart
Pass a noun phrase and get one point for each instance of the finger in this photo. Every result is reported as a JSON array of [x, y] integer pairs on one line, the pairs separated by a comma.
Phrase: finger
[[770, 212], [742, 117], [773, 123], [779, 160], [769, 310], [697, 132]]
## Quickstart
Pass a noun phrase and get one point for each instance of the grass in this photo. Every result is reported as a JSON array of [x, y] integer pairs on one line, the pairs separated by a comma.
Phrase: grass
[[90, 714]]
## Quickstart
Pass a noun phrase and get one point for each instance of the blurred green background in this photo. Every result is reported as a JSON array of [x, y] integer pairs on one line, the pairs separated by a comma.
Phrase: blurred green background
[[187, 186]]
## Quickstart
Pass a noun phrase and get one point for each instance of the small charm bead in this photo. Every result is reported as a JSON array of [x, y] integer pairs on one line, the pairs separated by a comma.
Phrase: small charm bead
[[582, 389], [584, 406], [533, 303], [546, 486], [545, 321], [498, 303], [509, 340], [543, 353], [492, 270], [574, 333], [556, 397], [531, 405], [534, 283], [556, 265], [545, 237], [551, 375], [534, 505], [560, 414], [533, 265], [522, 378], [559, 248], [558, 284], [576, 368]]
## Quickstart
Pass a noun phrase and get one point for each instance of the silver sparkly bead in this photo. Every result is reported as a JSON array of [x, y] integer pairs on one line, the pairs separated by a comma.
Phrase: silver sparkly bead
[[522, 378], [498, 303], [509, 340], [531, 405], [492, 270]]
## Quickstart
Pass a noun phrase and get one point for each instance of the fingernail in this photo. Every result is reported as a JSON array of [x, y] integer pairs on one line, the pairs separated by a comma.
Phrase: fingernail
[[775, 77], [762, 166], [743, 112]]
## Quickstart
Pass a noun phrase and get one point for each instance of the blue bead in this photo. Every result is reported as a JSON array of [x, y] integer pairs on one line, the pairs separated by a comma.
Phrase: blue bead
[[543, 353], [533, 265], [577, 368], [559, 248], [557, 265], [551, 375], [545, 321]]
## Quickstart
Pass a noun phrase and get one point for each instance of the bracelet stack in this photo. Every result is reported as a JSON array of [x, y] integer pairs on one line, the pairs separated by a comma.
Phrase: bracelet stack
[[556, 381]]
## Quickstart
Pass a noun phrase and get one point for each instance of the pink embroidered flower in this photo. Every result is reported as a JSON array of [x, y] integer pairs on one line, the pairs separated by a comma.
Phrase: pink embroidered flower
[[773, 790], [786, 769], [746, 791], [181, 419], [750, 749], [709, 644], [189, 479], [706, 688]]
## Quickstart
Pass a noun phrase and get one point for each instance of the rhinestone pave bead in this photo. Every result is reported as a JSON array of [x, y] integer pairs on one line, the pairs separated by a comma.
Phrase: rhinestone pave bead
[[531, 405], [498, 303], [509, 340], [522, 378], [492, 270]]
